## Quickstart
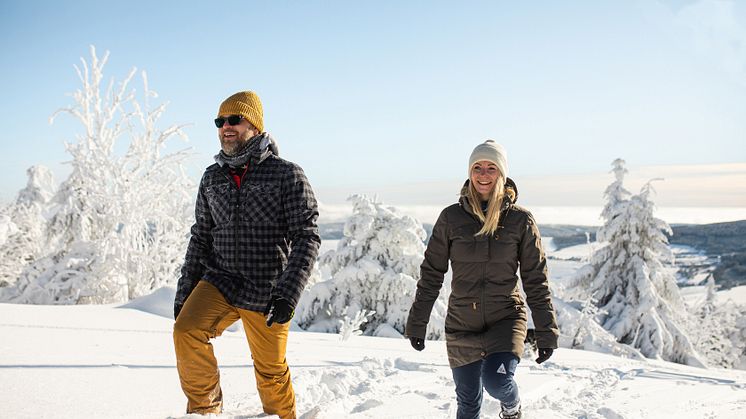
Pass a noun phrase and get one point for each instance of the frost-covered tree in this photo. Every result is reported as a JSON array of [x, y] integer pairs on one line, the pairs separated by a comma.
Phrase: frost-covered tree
[[632, 280], [616, 195], [351, 326], [580, 330], [617, 199], [39, 188], [739, 339], [7, 229], [374, 269], [718, 332], [117, 225], [586, 322], [24, 233]]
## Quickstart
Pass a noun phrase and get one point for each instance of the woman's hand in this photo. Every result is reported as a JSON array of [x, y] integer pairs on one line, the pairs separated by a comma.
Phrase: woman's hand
[[544, 354], [417, 343]]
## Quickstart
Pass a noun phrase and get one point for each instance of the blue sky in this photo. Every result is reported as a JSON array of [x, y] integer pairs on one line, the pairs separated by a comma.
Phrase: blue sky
[[366, 95]]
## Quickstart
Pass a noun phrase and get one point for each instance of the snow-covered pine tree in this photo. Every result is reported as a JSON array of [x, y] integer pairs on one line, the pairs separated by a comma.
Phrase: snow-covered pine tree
[[632, 280], [117, 226], [7, 229], [716, 333], [738, 337], [374, 269], [617, 197], [580, 330], [23, 241], [587, 319]]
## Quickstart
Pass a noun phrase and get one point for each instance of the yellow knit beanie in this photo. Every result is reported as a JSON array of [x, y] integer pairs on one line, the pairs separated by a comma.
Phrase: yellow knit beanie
[[246, 104]]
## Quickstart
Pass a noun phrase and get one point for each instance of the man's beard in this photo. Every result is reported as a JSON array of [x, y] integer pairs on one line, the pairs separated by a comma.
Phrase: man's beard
[[233, 147]]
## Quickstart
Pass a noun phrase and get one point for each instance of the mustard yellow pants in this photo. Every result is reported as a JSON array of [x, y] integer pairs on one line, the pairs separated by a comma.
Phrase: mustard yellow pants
[[205, 315]]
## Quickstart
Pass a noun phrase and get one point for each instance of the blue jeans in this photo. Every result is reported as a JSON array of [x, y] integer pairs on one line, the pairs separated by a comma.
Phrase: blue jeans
[[495, 374]]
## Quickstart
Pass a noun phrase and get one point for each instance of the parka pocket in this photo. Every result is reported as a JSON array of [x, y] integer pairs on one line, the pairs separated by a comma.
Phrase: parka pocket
[[262, 203], [218, 200], [465, 247], [463, 317]]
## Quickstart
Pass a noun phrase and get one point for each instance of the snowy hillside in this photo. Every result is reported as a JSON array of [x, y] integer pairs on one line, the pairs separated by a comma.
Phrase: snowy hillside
[[108, 361], [115, 361]]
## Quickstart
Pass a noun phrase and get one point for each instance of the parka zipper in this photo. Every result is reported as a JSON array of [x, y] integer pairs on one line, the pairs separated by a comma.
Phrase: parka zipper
[[237, 225], [484, 288], [244, 179], [506, 210], [236, 207], [474, 304]]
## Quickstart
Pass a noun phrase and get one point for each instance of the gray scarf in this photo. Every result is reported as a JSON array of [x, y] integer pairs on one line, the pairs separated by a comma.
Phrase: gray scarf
[[259, 146]]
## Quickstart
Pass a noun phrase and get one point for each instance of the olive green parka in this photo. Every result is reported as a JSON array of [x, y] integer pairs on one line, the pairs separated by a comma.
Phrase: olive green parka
[[486, 313]]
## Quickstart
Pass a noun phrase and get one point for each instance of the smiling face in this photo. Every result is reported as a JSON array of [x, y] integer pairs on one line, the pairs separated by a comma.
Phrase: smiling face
[[484, 175], [233, 138]]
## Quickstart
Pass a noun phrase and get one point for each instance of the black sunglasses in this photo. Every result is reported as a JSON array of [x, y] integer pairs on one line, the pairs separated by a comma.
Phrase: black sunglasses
[[232, 120]]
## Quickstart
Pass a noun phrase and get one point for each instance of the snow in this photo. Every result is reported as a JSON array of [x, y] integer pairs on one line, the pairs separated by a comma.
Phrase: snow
[[577, 252], [629, 278], [109, 361], [92, 241], [736, 294], [115, 228], [569, 215], [117, 361], [369, 280], [7, 228]]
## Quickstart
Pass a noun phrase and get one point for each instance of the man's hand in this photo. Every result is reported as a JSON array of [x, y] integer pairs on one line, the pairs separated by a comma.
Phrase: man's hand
[[177, 309], [544, 354], [278, 310], [417, 343]]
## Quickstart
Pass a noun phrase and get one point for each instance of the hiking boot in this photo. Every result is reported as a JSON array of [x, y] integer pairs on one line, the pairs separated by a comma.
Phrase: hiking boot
[[514, 413]]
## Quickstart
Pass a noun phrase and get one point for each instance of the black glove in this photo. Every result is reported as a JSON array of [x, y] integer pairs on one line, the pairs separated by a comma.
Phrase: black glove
[[544, 354], [278, 310], [417, 343], [177, 309]]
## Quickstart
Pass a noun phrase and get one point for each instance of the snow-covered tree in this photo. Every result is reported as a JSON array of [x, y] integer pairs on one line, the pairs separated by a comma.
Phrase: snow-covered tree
[[118, 224], [580, 330], [632, 280], [351, 326], [375, 269], [718, 330], [586, 322], [617, 198], [616, 195], [7, 228], [738, 337], [24, 232]]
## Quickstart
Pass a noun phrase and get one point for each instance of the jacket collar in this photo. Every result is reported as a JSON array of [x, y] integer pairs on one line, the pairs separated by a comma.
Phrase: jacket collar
[[260, 147]]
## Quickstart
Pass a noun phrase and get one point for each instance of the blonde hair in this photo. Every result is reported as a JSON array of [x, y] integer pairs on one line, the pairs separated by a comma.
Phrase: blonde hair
[[494, 203]]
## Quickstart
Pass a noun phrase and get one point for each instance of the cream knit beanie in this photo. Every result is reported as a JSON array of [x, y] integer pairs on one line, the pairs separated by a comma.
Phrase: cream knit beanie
[[492, 152]]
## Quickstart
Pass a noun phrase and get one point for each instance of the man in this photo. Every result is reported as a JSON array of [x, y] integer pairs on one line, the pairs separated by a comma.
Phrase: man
[[252, 248]]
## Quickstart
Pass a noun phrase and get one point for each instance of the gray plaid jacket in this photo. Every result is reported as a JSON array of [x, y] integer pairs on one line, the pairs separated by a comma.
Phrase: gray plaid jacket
[[256, 241]]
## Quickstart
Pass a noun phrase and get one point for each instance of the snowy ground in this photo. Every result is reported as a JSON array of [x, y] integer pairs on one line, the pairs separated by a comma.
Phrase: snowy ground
[[110, 361], [107, 362]]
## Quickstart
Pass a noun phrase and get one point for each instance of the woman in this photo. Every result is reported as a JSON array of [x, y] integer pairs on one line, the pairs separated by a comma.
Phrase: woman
[[486, 238]]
